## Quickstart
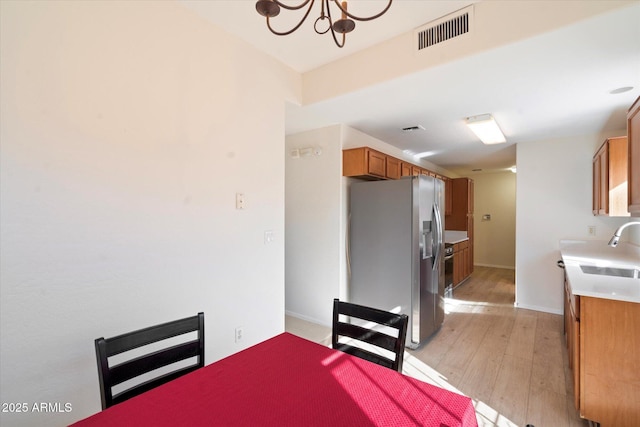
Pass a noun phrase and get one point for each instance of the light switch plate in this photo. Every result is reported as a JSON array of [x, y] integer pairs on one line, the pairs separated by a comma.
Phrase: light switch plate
[[269, 236], [239, 201]]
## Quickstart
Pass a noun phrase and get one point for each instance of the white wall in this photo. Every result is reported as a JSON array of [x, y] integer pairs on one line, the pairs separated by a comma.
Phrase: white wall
[[314, 249], [553, 203], [495, 239], [125, 136]]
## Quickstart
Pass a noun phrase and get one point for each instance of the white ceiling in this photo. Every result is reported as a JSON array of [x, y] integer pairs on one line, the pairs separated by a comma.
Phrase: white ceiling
[[556, 84]]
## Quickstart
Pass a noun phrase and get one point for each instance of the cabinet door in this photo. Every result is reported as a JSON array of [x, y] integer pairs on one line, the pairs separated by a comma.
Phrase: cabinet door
[[470, 191], [393, 167], [465, 263], [470, 234], [575, 350], [610, 166], [572, 325], [377, 163], [633, 134], [567, 321], [406, 169], [609, 380], [595, 204], [603, 197], [448, 196], [618, 166], [457, 264], [363, 162]]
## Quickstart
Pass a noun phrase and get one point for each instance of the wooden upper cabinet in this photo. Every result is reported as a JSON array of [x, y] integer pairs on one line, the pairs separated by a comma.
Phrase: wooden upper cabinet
[[463, 196], [364, 162], [633, 134], [448, 196], [377, 163], [603, 185], [367, 163], [610, 166], [470, 196], [393, 168], [595, 205], [406, 169], [461, 215]]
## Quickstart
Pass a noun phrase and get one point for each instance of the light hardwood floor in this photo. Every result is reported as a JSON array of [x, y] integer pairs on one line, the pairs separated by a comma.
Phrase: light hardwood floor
[[512, 362]]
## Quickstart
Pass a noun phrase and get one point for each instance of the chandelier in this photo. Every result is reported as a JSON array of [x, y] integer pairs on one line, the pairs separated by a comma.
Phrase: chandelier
[[324, 23]]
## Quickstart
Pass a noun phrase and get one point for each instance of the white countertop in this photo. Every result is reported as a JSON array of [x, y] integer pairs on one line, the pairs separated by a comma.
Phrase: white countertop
[[455, 236], [598, 253]]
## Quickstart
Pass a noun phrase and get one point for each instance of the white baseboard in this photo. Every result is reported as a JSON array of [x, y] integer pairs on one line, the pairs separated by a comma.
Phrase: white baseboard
[[538, 308], [305, 318], [507, 267]]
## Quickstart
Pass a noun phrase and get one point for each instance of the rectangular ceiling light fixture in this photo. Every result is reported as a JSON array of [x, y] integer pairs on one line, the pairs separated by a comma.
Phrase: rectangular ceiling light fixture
[[486, 128]]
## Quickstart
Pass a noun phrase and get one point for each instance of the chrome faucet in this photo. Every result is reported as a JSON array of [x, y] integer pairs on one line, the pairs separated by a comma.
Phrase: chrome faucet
[[616, 236]]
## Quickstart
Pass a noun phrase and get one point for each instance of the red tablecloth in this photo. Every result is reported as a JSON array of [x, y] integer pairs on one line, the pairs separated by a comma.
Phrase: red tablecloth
[[289, 381]]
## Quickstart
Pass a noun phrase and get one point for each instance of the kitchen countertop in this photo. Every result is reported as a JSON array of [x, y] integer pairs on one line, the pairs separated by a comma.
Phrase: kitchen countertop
[[598, 253], [454, 236]]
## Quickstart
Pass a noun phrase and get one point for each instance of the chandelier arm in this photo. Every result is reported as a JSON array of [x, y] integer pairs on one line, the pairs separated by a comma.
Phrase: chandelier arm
[[358, 18], [333, 33], [303, 4], [286, 33], [335, 39]]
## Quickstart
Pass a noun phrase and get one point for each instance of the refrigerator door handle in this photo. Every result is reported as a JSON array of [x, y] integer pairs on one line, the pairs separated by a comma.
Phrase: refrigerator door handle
[[437, 241]]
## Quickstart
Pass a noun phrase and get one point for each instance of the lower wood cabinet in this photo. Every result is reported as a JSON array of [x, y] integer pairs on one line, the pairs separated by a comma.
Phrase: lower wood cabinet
[[610, 362], [572, 331], [603, 339], [461, 258]]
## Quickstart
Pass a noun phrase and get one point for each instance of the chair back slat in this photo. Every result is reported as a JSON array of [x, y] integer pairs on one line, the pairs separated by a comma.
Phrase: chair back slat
[[142, 362], [149, 362], [363, 334], [373, 336], [141, 337]]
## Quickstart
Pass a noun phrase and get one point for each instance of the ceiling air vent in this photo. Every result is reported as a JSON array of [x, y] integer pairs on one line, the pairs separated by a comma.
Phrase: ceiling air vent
[[413, 128], [446, 28]]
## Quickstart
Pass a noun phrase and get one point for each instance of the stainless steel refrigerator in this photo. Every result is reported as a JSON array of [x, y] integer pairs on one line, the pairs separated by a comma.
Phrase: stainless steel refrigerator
[[396, 250]]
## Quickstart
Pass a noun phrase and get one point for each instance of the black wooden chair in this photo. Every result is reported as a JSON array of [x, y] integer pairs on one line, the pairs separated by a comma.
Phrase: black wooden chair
[[140, 361], [357, 334]]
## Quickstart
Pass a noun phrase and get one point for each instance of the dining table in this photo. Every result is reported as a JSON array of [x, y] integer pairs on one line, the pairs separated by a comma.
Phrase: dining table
[[291, 381]]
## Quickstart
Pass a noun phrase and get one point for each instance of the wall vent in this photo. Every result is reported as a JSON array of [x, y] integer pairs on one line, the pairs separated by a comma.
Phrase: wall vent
[[446, 28]]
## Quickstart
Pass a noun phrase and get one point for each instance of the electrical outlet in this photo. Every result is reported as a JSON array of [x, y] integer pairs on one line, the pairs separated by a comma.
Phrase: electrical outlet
[[592, 230], [239, 334]]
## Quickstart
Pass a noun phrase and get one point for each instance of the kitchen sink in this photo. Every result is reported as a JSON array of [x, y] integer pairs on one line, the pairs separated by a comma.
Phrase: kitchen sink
[[611, 271]]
